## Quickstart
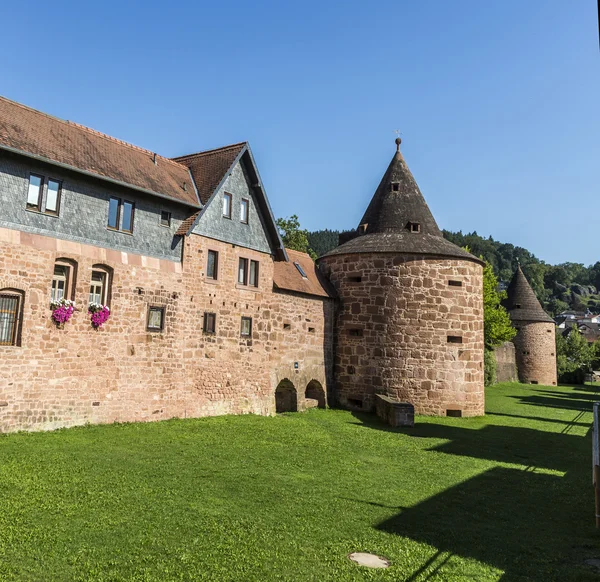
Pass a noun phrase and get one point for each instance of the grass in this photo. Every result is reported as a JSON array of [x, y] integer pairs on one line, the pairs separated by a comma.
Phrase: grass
[[504, 497]]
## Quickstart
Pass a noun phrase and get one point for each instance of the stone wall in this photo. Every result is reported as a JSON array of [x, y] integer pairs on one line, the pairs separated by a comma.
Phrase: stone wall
[[83, 215], [122, 372], [410, 328], [506, 363], [535, 348]]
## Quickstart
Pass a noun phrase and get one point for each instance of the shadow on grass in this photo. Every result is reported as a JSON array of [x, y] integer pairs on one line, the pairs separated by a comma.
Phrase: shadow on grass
[[518, 521], [532, 525], [505, 444], [568, 423]]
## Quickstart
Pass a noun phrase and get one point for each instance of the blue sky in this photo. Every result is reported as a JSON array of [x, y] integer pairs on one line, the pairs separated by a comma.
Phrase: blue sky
[[497, 102]]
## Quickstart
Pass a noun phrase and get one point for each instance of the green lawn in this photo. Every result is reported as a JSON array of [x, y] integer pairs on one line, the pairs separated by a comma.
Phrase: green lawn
[[504, 497]]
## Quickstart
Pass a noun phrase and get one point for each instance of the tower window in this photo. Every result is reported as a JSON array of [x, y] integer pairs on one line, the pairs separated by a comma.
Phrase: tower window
[[414, 226], [395, 187], [455, 283], [454, 339], [156, 318], [355, 332]]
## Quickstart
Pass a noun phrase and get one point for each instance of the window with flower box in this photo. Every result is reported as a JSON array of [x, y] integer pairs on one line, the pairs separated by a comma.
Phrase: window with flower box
[[63, 280]]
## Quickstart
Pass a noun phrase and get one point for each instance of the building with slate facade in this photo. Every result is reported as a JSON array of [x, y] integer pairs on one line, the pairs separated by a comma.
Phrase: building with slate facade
[[535, 342], [208, 312]]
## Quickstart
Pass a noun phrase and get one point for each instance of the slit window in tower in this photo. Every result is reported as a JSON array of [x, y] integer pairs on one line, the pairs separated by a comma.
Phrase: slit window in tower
[[395, 187]]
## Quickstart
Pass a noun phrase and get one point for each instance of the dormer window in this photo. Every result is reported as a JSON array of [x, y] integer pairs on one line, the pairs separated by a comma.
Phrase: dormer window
[[363, 228], [414, 226], [395, 187]]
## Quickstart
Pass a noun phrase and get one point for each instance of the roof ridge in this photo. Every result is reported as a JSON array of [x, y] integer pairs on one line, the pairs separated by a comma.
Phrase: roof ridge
[[211, 151], [90, 130]]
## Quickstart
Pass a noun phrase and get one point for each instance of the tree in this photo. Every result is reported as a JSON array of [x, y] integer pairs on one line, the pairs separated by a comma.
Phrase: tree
[[574, 356], [497, 327], [293, 236]]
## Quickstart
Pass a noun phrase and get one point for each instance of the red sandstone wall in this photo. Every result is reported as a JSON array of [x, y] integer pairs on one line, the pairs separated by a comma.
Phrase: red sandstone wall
[[535, 348], [406, 311], [70, 376]]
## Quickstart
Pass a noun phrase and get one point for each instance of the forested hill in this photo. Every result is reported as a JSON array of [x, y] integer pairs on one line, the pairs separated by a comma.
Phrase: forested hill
[[559, 287]]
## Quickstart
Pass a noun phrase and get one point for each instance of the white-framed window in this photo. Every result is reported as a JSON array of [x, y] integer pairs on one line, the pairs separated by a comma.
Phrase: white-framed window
[[253, 278], [63, 279], [244, 207], [34, 192], [53, 196], [243, 271], [227, 205]]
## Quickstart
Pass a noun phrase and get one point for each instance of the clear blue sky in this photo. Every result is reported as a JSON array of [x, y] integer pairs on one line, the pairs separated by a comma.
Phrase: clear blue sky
[[498, 102]]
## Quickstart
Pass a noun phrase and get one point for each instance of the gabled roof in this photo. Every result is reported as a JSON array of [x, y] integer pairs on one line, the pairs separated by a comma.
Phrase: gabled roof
[[287, 277], [35, 134], [398, 220], [210, 169], [521, 302]]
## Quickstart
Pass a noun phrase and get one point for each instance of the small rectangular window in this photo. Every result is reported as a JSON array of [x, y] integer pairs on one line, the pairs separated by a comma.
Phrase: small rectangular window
[[53, 197], [212, 265], [300, 269], [165, 218], [246, 330], [244, 211], [311, 330], [395, 186], [9, 319], [210, 322], [355, 332], [415, 227], [455, 283], [34, 193], [243, 272], [114, 206], [355, 279], [253, 279], [128, 211], [156, 318], [454, 339], [287, 326], [227, 205]]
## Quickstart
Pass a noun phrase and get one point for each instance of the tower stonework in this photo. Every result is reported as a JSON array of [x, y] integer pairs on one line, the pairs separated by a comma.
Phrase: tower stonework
[[410, 318], [535, 342]]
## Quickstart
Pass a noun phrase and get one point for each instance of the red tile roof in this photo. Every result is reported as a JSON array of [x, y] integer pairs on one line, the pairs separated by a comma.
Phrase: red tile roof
[[32, 132], [287, 277], [209, 167]]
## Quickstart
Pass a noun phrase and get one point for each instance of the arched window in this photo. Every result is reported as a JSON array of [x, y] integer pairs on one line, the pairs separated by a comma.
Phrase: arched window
[[63, 280], [101, 284], [11, 316]]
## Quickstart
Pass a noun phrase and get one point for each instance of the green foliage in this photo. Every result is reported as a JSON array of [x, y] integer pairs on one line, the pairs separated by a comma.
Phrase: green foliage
[[574, 356], [497, 327], [293, 236], [206, 499], [489, 367], [322, 241]]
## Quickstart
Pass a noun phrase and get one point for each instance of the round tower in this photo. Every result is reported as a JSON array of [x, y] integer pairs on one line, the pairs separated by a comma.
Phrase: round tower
[[535, 342], [410, 322]]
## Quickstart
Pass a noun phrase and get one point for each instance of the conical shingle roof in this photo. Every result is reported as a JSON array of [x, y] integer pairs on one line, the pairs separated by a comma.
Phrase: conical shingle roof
[[398, 220], [521, 302]]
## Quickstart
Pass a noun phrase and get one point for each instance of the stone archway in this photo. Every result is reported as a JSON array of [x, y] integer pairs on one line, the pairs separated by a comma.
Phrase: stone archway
[[315, 392], [286, 399]]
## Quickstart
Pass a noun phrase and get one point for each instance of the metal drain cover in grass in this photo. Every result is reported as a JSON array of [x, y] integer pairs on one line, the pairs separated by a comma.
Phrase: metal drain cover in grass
[[369, 560]]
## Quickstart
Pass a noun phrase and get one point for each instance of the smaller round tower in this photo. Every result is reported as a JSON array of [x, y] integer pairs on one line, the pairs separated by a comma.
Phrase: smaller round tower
[[535, 342]]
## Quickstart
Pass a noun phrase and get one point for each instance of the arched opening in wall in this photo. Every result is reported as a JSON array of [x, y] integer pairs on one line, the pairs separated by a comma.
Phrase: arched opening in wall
[[314, 391], [286, 399], [101, 285]]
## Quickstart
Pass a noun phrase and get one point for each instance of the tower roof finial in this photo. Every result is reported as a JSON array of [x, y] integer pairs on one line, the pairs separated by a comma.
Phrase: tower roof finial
[[398, 139]]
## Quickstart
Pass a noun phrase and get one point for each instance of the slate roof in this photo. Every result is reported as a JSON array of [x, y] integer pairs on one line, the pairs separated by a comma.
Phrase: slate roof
[[209, 167], [386, 225], [521, 302], [30, 132], [287, 277]]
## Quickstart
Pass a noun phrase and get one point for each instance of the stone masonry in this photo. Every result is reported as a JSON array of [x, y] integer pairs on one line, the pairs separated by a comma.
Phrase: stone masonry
[[398, 320], [121, 372]]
